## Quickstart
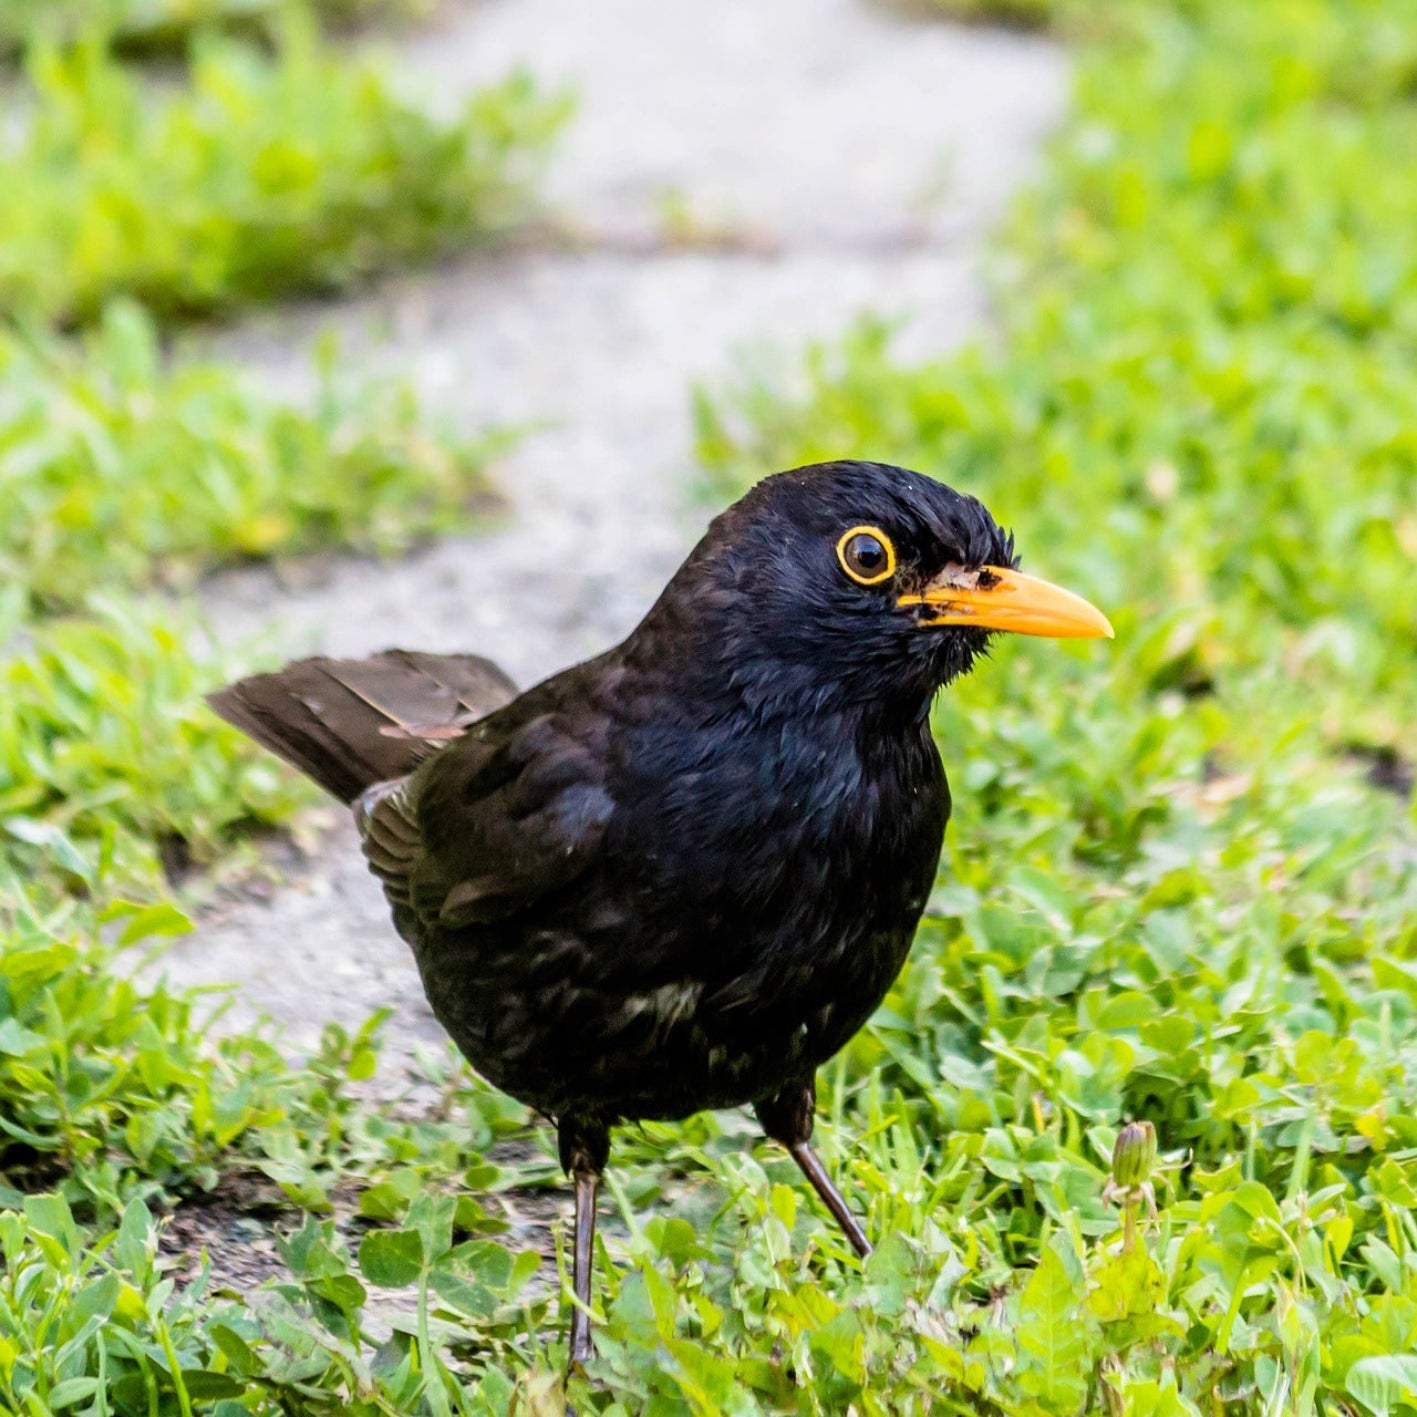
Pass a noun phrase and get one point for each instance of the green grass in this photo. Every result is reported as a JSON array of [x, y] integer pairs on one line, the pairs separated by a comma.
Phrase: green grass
[[121, 468], [263, 176], [108, 754], [116, 1095], [94, 1322], [119, 1088]]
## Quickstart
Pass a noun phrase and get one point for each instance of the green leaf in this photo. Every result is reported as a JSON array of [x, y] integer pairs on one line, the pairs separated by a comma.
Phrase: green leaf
[[154, 920], [431, 1216], [1054, 1331], [204, 1385], [70, 1391], [391, 1258], [1380, 1383], [1125, 1286]]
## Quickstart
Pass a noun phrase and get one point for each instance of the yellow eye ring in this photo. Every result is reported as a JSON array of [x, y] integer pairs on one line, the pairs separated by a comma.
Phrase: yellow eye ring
[[866, 555]]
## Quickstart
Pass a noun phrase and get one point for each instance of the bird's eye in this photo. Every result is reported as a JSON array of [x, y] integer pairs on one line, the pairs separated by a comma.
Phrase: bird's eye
[[866, 555]]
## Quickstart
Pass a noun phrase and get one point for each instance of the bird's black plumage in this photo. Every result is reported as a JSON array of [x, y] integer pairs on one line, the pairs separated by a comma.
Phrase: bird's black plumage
[[684, 873]]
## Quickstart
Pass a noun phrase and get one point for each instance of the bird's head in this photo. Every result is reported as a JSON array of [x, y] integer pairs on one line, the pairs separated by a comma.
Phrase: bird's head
[[856, 582]]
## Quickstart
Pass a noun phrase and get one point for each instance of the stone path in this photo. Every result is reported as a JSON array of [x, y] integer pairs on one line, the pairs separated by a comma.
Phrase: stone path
[[849, 158]]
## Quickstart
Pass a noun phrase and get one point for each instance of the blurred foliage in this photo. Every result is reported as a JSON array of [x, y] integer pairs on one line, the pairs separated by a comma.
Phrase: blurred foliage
[[263, 176], [164, 26], [108, 753], [1201, 404], [119, 469], [123, 469], [1022, 14]]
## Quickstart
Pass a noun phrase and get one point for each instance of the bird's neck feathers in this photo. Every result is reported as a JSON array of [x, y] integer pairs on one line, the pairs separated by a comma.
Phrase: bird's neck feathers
[[730, 654]]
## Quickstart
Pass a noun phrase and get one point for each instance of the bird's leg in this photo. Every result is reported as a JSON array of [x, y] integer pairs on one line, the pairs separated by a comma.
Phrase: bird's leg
[[787, 1118], [584, 1144]]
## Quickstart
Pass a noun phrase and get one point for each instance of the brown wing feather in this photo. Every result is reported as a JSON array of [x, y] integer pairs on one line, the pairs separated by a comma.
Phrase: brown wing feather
[[349, 723]]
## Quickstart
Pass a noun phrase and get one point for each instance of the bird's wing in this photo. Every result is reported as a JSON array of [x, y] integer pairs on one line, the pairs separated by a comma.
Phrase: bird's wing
[[350, 723], [490, 825]]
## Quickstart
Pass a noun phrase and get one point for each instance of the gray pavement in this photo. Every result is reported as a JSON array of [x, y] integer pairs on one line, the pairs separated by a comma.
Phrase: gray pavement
[[832, 158]]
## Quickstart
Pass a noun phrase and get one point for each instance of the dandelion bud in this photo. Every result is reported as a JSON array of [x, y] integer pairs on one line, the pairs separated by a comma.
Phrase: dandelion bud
[[1134, 1155]]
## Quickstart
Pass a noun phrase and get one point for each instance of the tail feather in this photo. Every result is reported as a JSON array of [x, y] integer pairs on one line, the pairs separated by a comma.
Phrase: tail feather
[[349, 723]]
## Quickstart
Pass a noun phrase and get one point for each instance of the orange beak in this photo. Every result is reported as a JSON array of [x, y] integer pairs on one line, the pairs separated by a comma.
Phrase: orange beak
[[998, 599]]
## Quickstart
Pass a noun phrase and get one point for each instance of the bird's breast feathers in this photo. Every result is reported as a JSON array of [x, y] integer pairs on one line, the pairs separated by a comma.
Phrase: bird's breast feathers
[[847, 810], [733, 886]]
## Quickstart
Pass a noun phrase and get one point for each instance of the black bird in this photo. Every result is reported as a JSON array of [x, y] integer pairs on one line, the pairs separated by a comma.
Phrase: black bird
[[682, 874]]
